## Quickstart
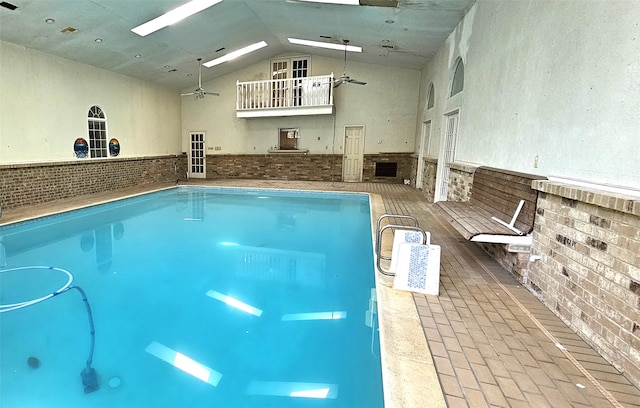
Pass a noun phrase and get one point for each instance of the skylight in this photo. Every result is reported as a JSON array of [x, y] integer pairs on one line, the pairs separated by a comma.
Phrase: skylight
[[235, 54], [173, 16], [321, 44]]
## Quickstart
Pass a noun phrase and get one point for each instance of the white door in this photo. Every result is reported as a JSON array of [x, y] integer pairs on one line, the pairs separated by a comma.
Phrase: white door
[[424, 151], [197, 155], [353, 153], [447, 155]]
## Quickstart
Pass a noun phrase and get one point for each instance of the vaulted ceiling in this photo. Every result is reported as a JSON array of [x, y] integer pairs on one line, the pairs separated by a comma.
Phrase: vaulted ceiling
[[405, 36]]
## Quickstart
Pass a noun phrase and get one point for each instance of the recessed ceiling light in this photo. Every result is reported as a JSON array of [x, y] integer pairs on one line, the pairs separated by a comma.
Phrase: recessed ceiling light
[[167, 66], [49, 21], [173, 16], [98, 40], [235, 54], [137, 56], [321, 44], [389, 21]]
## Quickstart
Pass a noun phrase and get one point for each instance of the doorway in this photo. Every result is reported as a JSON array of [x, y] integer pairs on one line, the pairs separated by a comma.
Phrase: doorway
[[447, 155], [197, 155], [287, 74], [353, 154]]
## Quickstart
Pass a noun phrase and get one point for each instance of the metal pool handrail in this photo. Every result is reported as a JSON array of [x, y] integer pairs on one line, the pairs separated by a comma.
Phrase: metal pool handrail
[[380, 230]]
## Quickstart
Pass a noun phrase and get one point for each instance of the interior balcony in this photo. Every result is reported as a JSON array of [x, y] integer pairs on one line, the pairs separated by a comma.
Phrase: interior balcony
[[285, 97]]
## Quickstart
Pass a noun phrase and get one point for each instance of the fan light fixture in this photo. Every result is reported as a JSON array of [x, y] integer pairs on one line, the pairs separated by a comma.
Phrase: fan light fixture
[[235, 54], [173, 16], [320, 44]]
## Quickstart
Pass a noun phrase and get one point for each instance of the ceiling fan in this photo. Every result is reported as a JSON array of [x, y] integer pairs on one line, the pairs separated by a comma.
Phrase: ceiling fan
[[199, 92], [344, 78]]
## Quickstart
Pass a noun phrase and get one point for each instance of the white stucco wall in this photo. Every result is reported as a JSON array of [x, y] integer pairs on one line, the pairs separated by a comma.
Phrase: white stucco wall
[[44, 101], [556, 80], [386, 106]]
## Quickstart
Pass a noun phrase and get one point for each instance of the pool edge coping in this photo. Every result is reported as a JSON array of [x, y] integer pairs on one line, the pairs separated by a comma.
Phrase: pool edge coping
[[409, 376]]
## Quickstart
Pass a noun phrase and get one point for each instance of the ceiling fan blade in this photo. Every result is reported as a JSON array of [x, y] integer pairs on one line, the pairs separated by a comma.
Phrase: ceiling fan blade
[[188, 94], [211, 93], [355, 81], [337, 83]]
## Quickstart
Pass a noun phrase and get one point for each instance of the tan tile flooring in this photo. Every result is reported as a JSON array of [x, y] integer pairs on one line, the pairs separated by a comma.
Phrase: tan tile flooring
[[493, 343]]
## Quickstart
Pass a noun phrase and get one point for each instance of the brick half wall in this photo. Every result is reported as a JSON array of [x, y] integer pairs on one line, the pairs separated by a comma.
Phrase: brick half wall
[[301, 166], [277, 166], [35, 183], [429, 172], [589, 268]]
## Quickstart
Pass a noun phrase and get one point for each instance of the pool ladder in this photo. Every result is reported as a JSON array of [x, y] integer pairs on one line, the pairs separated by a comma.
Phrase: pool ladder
[[380, 229]]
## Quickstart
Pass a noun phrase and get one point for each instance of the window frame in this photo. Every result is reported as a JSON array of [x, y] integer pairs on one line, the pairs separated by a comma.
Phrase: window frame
[[457, 78], [97, 133], [430, 96]]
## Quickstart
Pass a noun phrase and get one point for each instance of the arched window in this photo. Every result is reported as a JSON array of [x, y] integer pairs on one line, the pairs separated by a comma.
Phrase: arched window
[[458, 78], [430, 96], [97, 132]]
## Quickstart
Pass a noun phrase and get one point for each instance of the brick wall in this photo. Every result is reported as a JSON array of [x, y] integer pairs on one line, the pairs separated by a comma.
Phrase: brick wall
[[589, 271], [429, 172], [517, 263], [26, 184], [460, 182], [278, 166], [301, 166], [404, 167], [34, 183]]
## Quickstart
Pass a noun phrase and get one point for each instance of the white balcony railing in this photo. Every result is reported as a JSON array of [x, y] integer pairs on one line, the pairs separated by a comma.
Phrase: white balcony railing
[[292, 96]]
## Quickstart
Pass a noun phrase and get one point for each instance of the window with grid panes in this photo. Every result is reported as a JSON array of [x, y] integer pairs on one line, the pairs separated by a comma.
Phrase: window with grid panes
[[97, 123], [296, 68]]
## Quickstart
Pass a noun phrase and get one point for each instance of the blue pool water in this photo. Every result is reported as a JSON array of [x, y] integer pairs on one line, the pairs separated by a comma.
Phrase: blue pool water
[[201, 297]]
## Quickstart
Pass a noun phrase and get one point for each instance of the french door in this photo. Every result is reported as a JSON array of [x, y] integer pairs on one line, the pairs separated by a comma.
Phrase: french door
[[197, 155], [447, 156], [287, 77]]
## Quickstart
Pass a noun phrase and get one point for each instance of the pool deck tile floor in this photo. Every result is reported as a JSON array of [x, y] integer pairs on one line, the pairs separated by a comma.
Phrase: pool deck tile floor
[[492, 343]]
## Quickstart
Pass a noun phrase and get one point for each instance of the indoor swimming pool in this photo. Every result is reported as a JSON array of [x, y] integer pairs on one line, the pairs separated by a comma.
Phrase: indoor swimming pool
[[199, 297]]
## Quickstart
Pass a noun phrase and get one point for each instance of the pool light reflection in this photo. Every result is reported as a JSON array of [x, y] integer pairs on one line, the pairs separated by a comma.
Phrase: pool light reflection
[[293, 389], [184, 363], [235, 303], [337, 315]]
